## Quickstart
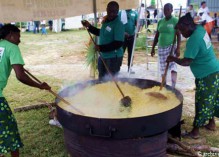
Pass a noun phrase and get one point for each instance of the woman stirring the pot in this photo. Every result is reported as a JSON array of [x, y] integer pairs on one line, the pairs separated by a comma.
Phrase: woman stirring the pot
[[10, 57], [200, 56]]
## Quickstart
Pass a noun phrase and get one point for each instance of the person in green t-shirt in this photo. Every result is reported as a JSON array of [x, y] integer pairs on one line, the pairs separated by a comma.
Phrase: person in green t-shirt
[[164, 37], [200, 56], [130, 25], [111, 38], [10, 57]]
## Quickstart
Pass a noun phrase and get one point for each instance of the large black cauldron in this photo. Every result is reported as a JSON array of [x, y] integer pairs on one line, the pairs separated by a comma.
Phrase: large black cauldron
[[118, 132]]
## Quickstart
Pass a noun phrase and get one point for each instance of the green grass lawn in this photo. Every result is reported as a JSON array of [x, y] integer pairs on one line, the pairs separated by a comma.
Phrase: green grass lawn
[[39, 138]]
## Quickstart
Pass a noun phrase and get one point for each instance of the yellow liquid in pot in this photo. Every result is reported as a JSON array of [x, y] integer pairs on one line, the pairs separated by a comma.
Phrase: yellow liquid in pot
[[103, 101]]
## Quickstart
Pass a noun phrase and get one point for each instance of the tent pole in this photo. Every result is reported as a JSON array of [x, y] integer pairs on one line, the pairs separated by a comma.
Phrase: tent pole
[[136, 32], [92, 69], [95, 12], [146, 34], [158, 61], [161, 4]]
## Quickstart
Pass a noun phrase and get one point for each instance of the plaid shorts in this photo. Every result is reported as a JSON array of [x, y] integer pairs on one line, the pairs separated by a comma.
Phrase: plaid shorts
[[163, 53]]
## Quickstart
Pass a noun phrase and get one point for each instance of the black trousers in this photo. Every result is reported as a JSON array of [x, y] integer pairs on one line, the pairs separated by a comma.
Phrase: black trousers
[[112, 63], [128, 43]]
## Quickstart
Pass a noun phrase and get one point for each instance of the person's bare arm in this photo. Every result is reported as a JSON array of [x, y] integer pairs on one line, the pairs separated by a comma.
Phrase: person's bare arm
[[90, 28], [154, 43], [180, 61], [24, 78], [178, 35]]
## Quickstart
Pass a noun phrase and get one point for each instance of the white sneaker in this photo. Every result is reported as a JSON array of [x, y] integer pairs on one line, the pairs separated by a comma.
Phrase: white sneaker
[[55, 123]]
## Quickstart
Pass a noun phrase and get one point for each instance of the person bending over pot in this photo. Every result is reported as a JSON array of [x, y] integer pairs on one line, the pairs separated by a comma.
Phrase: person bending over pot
[[199, 55]]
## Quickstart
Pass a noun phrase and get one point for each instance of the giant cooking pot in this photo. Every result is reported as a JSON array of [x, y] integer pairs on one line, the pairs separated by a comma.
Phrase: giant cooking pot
[[125, 128]]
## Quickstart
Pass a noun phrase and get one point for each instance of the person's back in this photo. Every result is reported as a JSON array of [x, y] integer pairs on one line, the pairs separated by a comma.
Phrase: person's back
[[6, 52], [131, 22], [200, 56], [129, 37], [203, 53]]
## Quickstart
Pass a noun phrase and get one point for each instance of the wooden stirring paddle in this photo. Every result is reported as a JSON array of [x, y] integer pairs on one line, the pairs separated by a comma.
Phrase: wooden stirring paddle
[[126, 100], [158, 94], [171, 53], [56, 95]]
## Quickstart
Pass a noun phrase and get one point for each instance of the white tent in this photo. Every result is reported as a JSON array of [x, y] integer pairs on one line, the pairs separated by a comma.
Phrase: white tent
[[27, 10]]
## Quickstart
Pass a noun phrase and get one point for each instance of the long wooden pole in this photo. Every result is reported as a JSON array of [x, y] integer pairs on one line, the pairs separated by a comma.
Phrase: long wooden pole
[[52, 92], [107, 68], [135, 36], [171, 53]]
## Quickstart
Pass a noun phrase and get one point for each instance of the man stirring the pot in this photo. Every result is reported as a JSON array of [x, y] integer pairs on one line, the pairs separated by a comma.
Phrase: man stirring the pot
[[111, 37]]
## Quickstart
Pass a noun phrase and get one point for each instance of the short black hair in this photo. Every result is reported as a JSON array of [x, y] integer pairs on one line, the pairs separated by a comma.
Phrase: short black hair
[[191, 5], [169, 5], [203, 2], [113, 4], [7, 29], [187, 21]]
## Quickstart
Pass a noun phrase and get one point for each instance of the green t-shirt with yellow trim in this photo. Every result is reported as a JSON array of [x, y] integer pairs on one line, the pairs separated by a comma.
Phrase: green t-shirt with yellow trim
[[9, 54]]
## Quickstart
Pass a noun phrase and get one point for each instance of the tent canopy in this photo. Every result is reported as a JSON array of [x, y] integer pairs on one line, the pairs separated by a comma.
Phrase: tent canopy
[[27, 10]]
